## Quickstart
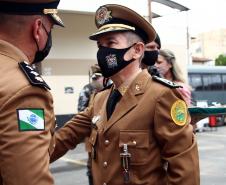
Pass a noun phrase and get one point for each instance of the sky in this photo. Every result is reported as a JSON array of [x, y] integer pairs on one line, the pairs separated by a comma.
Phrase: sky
[[203, 16]]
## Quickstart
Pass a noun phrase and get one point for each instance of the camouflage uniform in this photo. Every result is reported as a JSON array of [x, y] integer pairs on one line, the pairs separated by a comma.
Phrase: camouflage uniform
[[84, 96]]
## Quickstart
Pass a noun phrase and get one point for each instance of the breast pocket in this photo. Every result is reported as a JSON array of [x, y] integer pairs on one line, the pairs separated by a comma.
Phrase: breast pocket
[[138, 144]]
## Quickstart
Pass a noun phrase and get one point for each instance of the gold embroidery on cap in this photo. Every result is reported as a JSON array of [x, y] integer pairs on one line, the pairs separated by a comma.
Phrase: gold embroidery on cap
[[103, 16], [116, 27], [50, 11]]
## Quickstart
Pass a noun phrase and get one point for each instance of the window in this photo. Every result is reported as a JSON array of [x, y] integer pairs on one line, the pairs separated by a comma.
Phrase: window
[[195, 81], [224, 81], [212, 82]]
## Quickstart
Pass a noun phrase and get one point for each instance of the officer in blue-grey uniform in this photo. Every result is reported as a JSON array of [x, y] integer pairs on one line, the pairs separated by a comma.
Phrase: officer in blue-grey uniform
[[26, 105]]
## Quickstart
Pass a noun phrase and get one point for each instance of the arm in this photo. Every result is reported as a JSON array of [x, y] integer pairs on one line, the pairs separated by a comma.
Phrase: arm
[[72, 133], [25, 153], [177, 142]]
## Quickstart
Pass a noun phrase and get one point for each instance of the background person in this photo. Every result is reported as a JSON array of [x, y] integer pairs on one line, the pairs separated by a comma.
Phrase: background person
[[170, 70], [91, 88], [26, 105], [138, 125], [151, 56]]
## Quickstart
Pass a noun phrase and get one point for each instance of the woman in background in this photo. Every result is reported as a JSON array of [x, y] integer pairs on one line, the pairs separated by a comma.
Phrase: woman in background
[[169, 69]]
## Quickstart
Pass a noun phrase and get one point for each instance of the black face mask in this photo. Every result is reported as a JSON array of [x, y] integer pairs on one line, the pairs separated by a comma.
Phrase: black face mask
[[150, 57], [41, 55], [111, 60]]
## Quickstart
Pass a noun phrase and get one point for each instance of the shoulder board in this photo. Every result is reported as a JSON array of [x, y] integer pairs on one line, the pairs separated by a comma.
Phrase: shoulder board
[[34, 77], [166, 82]]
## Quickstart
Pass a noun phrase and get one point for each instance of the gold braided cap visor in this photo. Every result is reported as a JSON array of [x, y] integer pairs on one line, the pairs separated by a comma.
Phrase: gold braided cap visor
[[111, 28]]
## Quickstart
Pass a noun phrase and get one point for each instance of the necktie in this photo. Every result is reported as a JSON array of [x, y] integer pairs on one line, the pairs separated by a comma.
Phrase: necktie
[[112, 101]]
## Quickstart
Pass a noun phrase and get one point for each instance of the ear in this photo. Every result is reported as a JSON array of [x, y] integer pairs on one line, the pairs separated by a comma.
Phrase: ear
[[170, 65], [138, 50], [36, 29]]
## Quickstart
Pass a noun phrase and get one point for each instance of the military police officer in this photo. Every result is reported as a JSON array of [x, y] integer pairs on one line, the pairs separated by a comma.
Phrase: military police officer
[[139, 127], [151, 55], [26, 105]]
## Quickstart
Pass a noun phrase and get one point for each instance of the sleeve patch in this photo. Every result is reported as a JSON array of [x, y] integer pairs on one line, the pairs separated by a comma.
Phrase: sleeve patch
[[31, 119], [179, 112]]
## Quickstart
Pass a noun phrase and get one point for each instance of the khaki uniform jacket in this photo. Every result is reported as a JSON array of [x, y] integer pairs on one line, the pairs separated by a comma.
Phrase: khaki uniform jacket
[[162, 152], [24, 155]]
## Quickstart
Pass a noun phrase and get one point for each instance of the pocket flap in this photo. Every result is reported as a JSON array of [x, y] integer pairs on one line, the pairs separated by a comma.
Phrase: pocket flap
[[134, 138]]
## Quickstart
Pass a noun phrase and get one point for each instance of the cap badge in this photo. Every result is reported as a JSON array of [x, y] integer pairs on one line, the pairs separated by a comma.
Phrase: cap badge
[[102, 16], [111, 61], [179, 112]]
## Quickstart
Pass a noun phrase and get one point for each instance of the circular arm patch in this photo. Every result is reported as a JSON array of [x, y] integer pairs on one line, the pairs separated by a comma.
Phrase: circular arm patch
[[179, 112]]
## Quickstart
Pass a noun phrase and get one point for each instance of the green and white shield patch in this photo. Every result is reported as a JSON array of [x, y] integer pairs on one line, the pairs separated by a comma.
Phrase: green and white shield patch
[[31, 119]]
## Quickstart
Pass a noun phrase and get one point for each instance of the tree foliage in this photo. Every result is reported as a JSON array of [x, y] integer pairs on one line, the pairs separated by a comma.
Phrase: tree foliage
[[220, 60]]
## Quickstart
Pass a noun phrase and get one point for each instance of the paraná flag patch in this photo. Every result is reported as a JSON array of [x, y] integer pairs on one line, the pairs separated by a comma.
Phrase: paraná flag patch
[[31, 119]]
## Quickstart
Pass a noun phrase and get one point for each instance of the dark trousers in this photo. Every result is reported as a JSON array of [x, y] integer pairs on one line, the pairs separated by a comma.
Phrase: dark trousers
[[89, 169]]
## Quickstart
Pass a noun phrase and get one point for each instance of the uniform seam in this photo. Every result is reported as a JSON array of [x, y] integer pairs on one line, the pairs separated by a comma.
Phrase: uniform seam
[[13, 95], [4, 54]]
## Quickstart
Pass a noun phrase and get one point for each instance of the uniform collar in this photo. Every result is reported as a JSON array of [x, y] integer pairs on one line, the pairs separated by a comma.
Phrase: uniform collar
[[12, 51], [140, 82], [126, 84], [129, 100]]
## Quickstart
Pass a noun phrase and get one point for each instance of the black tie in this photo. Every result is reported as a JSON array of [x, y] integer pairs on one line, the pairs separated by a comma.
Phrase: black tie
[[112, 101]]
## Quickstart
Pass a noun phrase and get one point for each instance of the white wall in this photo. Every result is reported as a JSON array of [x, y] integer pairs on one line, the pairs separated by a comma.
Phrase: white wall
[[69, 61], [65, 103]]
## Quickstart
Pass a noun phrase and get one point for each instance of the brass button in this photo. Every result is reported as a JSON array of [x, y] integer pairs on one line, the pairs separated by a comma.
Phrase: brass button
[[105, 164], [134, 142], [106, 142]]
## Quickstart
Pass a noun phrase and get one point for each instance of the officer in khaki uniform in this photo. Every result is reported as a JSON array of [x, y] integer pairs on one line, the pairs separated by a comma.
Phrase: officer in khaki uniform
[[26, 105], [139, 127]]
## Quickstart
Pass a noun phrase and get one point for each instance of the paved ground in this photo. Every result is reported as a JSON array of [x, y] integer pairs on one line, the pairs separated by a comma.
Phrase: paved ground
[[71, 169]]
